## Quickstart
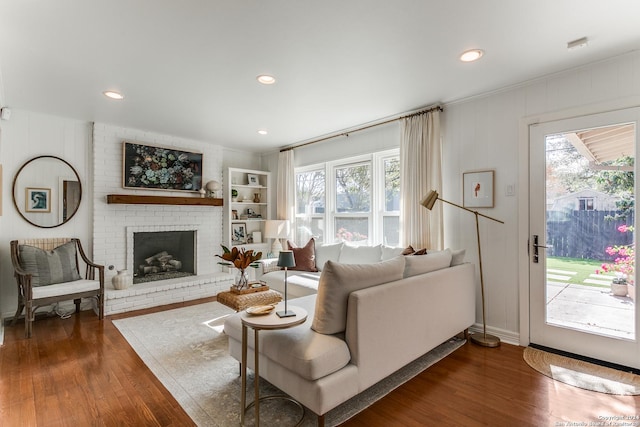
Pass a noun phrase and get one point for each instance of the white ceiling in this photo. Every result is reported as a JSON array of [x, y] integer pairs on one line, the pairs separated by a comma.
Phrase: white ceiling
[[188, 68]]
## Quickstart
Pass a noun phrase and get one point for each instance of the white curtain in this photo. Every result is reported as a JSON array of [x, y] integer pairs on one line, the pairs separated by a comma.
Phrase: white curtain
[[285, 185], [421, 171]]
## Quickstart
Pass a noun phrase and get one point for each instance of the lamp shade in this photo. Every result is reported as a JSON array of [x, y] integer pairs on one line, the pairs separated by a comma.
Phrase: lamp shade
[[276, 229], [286, 259], [429, 200]]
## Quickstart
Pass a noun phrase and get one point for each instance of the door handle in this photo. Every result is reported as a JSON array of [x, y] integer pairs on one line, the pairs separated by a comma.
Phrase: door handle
[[536, 256]]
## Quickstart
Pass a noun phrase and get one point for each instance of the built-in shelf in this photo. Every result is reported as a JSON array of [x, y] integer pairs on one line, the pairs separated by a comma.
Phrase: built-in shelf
[[128, 199]]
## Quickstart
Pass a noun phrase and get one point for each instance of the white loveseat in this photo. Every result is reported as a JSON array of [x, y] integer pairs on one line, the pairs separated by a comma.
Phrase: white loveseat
[[366, 322], [302, 283]]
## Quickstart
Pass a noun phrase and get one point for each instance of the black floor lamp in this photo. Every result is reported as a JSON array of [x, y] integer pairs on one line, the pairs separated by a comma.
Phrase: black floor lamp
[[485, 339]]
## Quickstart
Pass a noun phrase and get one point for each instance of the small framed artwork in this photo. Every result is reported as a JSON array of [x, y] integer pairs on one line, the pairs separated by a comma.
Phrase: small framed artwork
[[239, 233], [253, 179], [160, 168], [38, 199], [234, 214], [477, 189]]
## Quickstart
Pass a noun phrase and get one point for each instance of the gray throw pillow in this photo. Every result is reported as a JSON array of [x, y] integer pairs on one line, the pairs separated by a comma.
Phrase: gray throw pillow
[[50, 267], [337, 281]]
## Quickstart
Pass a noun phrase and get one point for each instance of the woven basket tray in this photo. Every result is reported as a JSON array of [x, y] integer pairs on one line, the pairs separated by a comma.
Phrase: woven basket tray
[[249, 290]]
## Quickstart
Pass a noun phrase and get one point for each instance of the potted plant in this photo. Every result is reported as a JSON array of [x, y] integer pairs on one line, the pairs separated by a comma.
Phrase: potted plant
[[234, 195], [623, 265]]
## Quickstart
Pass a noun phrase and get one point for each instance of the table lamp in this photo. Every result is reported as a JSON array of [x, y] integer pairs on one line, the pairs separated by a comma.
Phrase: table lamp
[[286, 260], [276, 229], [485, 339]]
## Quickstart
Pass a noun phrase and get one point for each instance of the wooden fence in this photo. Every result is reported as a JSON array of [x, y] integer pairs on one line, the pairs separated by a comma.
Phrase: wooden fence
[[585, 234]]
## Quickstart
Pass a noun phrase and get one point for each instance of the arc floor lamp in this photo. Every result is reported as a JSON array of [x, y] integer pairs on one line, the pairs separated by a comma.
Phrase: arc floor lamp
[[483, 339]]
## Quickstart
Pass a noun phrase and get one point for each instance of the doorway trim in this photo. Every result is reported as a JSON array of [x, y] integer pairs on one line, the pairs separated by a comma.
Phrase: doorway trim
[[523, 192]]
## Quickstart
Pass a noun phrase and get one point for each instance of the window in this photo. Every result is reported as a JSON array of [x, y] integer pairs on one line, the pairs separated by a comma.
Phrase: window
[[355, 200], [310, 205], [586, 204]]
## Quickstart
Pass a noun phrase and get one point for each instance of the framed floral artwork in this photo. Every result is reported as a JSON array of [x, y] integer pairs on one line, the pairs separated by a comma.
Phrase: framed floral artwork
[[160, 168], [38, 199]]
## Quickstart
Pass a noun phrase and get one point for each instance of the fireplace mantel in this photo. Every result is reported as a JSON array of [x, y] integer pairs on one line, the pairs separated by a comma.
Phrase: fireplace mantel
[[131, 199]]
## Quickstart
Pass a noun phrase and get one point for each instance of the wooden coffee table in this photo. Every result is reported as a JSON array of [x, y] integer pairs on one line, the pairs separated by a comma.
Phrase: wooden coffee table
[[240, 302]]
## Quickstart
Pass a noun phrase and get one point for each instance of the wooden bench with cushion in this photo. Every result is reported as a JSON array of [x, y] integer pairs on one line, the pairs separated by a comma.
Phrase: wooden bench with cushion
[[47, 271]]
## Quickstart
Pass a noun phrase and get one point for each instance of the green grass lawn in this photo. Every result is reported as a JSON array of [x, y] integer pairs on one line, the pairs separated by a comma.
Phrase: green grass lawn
[[582, 267]]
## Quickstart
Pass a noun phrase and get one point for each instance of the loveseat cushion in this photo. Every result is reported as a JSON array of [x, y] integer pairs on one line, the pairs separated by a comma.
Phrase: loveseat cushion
[[389, 252], [338, 280], [328, 252], [50, 267], [429, 262], [360, 254]]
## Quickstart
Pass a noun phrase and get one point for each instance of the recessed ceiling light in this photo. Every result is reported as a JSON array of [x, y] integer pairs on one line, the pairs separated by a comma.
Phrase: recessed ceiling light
[[112, 94], [266, 79], [262, 132], [471, 55]]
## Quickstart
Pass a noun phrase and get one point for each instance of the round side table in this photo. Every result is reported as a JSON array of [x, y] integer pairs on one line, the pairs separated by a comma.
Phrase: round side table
[[270, 321]]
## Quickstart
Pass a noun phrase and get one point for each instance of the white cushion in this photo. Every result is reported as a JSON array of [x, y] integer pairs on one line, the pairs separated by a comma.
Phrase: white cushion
[[325, 253], [338, 280], [457, 256], [389, 252], [421, 264], [66, 288], [360, 254]]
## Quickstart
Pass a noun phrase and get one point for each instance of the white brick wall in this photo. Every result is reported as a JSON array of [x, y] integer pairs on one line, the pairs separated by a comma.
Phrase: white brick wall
[[110, 221]]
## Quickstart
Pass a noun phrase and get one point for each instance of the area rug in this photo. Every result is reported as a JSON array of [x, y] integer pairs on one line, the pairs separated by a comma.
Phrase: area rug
[[186, 349], [579, 373]]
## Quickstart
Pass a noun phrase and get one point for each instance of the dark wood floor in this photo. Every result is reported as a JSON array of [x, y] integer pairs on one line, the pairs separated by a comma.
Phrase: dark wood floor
[[81, 372]]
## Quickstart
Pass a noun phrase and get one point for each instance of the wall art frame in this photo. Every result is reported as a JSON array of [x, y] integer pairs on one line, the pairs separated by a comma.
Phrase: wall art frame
[[37, 200], [160, 168], [478, 189], [239, 233], [253, 180]]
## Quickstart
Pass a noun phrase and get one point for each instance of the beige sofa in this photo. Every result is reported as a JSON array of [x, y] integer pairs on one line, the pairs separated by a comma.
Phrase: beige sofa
[[387, 324]]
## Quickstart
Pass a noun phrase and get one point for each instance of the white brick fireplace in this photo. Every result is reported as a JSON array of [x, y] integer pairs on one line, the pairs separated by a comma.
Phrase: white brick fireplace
[[110, 222]]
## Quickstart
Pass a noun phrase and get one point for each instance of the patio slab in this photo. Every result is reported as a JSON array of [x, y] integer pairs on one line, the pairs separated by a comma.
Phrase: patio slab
[[590, 309]]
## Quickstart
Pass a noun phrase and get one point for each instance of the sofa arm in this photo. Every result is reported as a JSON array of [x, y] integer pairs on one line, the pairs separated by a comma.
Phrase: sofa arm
[[267, 265]]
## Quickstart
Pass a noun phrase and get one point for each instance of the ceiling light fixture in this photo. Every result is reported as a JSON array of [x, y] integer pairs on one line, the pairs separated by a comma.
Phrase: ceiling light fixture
[[266, 79], [113, 95], [262, 132], [471, 55], [577, 44]]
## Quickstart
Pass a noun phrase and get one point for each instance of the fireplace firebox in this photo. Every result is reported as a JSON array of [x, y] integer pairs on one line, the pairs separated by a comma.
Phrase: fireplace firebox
[[160, 255]]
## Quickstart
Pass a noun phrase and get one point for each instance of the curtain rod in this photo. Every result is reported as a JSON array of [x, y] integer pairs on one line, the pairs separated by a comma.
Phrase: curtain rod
[[417, 113]]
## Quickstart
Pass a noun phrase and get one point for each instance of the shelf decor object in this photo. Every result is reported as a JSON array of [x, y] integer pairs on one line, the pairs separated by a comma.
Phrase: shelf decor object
[[483, 339], [160, 168]]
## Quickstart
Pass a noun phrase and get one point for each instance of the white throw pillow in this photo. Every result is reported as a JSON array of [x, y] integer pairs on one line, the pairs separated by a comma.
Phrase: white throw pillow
[[421, 264], [326, 253], [360, 254], [457, 256], [337, 281], [389, 252]]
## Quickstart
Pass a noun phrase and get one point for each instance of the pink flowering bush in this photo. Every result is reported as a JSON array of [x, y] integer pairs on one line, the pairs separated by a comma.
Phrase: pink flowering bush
[[348, 236], [625, 260]]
